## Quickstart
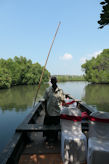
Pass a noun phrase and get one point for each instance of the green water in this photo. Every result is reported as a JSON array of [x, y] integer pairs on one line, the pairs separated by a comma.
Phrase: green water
[[16, 103], [97, 95]]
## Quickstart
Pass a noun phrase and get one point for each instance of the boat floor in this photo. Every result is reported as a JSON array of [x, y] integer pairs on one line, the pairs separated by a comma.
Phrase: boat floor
[[41, 159], [40, 152]]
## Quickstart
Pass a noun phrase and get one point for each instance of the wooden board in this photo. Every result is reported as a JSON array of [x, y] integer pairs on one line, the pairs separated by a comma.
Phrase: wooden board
[[37, 128], [41, 159], [38, 145]]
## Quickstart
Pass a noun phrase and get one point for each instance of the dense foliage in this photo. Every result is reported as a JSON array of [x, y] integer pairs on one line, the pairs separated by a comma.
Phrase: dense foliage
[[63, 78], [104, 16], [20, 71], [97, 69]]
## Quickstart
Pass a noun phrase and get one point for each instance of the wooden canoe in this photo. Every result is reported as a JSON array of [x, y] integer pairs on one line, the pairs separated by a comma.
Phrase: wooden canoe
[[27, 146]]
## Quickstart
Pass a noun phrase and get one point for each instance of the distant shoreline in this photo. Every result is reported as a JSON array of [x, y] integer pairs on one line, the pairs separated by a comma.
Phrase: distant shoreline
[[64, 78]]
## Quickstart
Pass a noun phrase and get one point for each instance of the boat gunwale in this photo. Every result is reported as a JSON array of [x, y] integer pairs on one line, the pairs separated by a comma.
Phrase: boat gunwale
[[9, 151], [6, 156]]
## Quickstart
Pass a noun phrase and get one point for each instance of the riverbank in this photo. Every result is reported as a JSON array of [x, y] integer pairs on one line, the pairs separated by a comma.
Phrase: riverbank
[[65, 78]]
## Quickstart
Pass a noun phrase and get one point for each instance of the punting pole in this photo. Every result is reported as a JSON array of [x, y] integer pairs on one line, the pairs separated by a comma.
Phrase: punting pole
[[45, 64]]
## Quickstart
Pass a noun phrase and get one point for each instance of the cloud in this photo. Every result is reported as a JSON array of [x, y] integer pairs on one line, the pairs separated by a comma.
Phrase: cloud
[[95, 54], [66, 56], [89, 56], [83, 60]]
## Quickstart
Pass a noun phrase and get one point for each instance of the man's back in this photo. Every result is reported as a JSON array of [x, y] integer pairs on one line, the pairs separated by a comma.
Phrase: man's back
[[54, 100]]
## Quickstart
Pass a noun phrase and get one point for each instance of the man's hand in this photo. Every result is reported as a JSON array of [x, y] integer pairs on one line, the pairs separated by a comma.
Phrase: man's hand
[[64, 104]]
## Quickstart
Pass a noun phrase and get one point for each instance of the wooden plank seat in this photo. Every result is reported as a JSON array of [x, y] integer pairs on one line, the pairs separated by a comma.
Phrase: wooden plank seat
[[41, 127], [37, 128]]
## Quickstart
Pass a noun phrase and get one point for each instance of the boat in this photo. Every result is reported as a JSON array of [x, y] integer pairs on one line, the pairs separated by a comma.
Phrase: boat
[[28, 145]]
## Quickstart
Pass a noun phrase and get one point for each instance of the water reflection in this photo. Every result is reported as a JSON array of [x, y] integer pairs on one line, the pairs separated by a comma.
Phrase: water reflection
[[16, 103], [75, 88], [19, 98], [97, 95]]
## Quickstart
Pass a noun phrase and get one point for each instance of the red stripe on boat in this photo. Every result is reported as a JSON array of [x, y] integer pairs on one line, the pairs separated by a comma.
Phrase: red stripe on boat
[[91, 118], [69, 103], [72, 118]]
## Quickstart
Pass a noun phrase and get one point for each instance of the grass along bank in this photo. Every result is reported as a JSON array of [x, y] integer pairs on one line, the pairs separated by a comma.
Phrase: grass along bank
[[63, 78]]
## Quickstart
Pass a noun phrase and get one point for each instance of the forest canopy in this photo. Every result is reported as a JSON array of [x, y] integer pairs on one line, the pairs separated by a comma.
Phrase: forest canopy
[[20, 71], [104, 16], [97, 69]]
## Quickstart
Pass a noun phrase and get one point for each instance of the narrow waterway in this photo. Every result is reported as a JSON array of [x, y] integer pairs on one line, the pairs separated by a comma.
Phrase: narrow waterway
[[16, 103]]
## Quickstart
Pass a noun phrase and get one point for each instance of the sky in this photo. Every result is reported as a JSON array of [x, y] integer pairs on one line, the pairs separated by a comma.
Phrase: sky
[[27, 28]]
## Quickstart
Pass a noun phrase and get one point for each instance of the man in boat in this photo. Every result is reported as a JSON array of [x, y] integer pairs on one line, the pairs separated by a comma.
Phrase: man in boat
[[54, 97]]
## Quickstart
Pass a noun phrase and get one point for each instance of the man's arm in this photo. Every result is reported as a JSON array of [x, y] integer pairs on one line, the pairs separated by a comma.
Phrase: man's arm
[[46, 112], [46, 98]]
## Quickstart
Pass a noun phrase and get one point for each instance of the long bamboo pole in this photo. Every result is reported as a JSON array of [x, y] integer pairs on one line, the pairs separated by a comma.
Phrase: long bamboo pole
[[46, 64]]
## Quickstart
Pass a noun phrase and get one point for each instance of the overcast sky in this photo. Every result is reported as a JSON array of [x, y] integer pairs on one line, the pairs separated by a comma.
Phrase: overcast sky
[[27, 28]]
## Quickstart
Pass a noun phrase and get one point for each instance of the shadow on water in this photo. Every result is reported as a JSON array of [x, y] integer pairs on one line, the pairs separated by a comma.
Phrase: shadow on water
[[98, 95]]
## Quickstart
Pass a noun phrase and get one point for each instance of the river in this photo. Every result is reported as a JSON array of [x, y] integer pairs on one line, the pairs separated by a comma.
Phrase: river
[[16, 103]]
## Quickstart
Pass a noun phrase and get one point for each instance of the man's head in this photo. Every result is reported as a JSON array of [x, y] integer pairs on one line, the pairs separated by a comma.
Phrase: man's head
[[53, 80]]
